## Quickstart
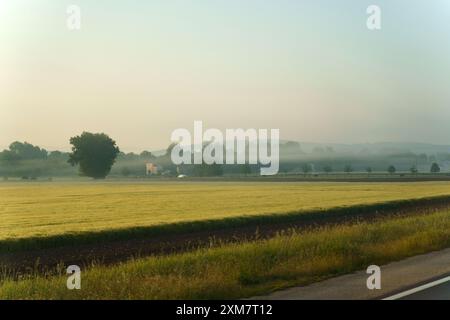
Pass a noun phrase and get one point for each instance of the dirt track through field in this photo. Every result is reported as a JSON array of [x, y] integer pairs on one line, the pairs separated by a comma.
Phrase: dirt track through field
[[46, 261]]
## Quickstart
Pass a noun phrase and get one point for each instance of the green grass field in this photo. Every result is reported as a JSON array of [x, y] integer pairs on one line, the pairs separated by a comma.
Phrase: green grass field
[[250, 268], [29, 210]]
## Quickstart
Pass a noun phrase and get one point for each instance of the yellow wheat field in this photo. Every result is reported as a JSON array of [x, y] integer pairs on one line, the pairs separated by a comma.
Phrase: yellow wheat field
[[53, 208]]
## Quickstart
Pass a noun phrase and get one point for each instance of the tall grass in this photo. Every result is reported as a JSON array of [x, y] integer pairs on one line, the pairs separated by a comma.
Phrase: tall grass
[[249, 268]]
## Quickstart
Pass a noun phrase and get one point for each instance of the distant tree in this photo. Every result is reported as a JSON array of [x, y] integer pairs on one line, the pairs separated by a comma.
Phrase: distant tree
[[95, 153], [208, 170], [246, 169], [306, 168], [215, 170], [148, 155], [58, 157], [348, 168], [169, 149], [318, 150], [27, 151], [435, 168], [125, 171], [292, 144], [414, 169], [391, 169], [327, 169], [291, 147], [55, 155], [134, 156], [9, 157], [329, 150], [422, 158], [369, 170]]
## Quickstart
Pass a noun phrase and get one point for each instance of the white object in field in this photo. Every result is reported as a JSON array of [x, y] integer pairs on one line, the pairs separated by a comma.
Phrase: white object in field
[[151, 168]]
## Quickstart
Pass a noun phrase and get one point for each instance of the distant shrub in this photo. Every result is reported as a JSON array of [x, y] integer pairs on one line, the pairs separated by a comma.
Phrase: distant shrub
[[435, 168], [391, 169], [348, 168], [125, 171]]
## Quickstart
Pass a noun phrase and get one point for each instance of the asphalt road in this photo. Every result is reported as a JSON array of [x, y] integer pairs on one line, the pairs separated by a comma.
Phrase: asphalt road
[[441, 292], [433, 290]]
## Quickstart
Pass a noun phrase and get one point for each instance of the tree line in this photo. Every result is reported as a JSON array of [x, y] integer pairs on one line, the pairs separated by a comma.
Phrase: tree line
[[96, 155]]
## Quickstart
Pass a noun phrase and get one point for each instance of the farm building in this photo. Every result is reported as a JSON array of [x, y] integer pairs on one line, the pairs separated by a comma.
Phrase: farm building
[[151, 169]]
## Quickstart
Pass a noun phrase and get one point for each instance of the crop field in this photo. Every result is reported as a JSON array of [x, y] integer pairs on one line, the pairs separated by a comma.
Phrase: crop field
[[58, 208]]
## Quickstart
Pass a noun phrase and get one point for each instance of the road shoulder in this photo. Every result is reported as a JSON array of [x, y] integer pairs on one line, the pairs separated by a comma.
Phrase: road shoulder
[[395, 277]]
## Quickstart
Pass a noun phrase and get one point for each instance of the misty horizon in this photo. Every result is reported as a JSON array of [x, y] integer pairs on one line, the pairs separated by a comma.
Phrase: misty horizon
[[138, 72], [304, 145]]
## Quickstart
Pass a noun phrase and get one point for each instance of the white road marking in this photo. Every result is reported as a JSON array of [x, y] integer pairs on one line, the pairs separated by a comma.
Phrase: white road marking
[[418, 289]]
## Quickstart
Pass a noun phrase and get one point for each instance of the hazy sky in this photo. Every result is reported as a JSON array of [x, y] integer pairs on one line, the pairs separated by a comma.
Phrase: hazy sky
[[137, 70]]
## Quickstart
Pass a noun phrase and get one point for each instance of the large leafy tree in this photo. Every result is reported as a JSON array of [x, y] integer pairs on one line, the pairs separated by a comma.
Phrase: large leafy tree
[[94, 152]]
